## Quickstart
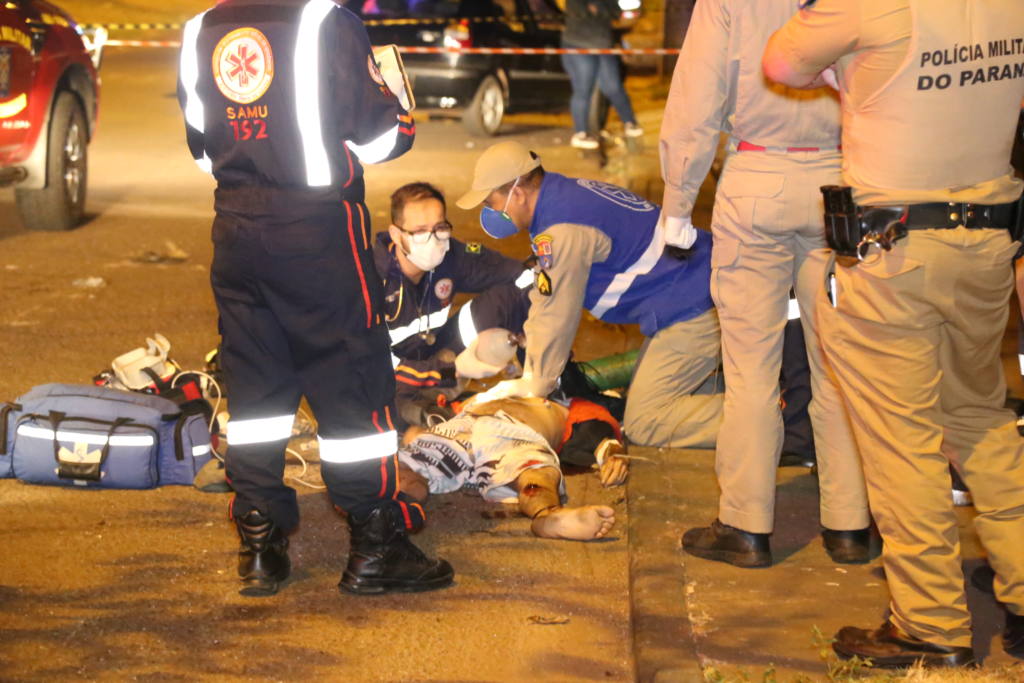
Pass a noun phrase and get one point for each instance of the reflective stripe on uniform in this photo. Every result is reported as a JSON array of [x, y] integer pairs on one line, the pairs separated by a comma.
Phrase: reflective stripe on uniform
[[377, 149], [262, 430], [307, 91], [359, 449], [794, 310], [85, 437], [467, 330], [621, 282], [525, 279], [195, 114], [424, 323]]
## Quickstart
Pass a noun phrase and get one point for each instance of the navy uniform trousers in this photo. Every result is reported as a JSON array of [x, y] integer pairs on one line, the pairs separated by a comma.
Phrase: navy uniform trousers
[[298, 299]]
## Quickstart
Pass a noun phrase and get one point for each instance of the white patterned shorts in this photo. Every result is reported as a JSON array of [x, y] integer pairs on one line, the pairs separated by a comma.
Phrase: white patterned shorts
[[485, 453]]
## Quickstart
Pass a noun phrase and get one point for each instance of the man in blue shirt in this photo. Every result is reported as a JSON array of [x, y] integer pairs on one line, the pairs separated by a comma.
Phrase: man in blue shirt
[[602, 248]]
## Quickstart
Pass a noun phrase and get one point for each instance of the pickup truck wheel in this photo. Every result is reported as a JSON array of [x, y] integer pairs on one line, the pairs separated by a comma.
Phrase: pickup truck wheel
[[60, 205], [486, 111]]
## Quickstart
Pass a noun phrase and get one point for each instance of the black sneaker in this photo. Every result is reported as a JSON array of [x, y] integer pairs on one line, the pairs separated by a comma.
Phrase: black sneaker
[[724, 543], [382, 559], [961, 494], [890, 648], [263, 562], [807, 460]]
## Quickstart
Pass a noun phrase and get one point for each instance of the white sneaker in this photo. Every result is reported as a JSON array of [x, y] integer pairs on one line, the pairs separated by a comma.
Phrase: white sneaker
[[582, 140], [633, 130]]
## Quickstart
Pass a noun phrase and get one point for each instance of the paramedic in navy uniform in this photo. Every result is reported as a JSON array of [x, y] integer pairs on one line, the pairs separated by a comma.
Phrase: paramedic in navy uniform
[[283, 102], [424, 268]]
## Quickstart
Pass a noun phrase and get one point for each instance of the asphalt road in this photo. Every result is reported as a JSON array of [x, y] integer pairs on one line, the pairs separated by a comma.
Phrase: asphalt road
[[125, 585]]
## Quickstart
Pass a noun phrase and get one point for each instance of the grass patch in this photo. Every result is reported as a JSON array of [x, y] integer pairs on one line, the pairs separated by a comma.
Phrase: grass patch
[[861, 670]]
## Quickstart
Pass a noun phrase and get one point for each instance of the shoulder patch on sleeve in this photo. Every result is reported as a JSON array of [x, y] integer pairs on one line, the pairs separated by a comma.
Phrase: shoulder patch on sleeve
[[543, 247], [474, 248], [542, 281], [371, 66]]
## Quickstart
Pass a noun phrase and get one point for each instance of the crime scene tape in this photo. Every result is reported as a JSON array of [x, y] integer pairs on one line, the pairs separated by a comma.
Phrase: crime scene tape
[[174, 26], [114, 42], [411, 21], [413, 49], [456, 50]]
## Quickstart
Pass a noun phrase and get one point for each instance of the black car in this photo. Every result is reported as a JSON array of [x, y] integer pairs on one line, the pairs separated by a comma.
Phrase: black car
[[483, 86]]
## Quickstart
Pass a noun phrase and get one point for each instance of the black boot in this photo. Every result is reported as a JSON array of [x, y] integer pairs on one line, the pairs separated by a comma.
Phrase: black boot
[[1013, 635], [263, 562], [858, 546], [382, 559], [726, 543], [888, 647]]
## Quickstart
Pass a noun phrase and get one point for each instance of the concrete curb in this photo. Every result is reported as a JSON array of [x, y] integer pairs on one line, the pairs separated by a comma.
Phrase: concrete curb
[[664, 648]]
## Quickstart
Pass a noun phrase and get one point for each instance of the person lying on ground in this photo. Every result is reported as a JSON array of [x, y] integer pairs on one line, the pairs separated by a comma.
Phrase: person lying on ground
[[506, 450]]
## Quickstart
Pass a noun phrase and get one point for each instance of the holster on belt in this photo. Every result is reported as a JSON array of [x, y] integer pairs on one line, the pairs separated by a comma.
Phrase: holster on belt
[[851, 230]]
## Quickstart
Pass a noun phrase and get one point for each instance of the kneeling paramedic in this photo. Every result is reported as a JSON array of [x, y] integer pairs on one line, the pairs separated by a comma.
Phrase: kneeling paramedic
[[282, 101], [424, 268], [602, 248]]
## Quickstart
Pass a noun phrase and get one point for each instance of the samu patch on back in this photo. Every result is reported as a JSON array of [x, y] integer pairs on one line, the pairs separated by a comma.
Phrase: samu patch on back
[[243, 65]]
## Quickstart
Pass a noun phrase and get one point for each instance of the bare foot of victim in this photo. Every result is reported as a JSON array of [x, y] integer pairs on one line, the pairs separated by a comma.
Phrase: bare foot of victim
[[575, 524]]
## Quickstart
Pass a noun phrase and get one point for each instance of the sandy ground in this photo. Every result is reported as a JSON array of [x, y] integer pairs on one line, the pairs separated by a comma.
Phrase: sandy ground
[[120, 585], [139, 585]]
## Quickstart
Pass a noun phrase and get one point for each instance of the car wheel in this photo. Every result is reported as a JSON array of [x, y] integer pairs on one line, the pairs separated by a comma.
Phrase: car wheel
[[486, 111], [60, 205], [598, 116]]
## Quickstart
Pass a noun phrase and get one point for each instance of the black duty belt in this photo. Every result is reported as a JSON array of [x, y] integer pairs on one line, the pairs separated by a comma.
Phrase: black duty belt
[[852, 230], [943, 215]]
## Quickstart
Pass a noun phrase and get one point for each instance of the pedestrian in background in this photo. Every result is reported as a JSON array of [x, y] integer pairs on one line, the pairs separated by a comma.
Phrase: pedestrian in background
[[783, 145], [588, 24], [282, 101], [918, 320]]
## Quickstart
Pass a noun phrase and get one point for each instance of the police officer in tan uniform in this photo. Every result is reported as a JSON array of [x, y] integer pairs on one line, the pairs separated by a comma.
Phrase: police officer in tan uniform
[[783, 145], [930, 93]]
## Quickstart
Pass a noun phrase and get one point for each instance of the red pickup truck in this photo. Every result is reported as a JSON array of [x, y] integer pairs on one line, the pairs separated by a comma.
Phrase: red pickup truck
[[49, 89]]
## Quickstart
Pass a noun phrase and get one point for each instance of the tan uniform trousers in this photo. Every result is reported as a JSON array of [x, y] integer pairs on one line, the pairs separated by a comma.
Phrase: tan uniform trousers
[[675, 397], [915, 343], [767, 218]]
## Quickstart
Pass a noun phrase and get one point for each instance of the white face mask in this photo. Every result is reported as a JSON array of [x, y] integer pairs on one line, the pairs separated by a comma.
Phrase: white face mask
[[428, 255]]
